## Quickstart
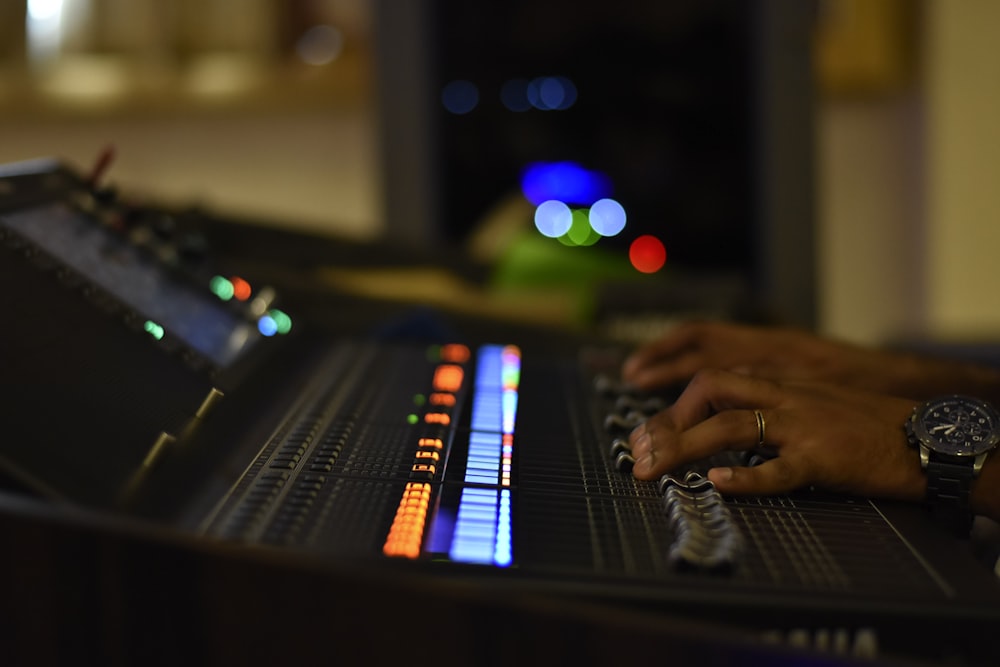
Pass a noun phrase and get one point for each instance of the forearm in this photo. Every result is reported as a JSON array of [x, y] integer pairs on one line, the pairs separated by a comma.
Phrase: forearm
[[923, 378]]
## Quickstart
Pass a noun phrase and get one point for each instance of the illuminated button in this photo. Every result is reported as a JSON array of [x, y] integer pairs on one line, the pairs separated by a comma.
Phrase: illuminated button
[[448, 378], [455, 353], [282, 322], [437, 418], [267, 326], [434, 443], [221, 288], [428, 455], [153, 329], [447, 400], [423, 471], [241, 288], [406, 533]]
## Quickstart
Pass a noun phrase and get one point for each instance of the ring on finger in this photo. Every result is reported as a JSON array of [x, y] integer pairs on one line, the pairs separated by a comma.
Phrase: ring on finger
[[761, 427]]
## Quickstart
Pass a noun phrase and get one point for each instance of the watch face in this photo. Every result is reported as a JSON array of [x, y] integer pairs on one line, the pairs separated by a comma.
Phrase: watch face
[[957, 426]]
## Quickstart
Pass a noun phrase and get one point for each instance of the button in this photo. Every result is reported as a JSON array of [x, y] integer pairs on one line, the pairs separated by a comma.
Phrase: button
[[646, 405], [624, 462], [619, 445], [613, 422]]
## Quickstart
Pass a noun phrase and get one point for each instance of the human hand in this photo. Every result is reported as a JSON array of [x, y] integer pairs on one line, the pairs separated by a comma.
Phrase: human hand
[[831, 437], [789, 354]]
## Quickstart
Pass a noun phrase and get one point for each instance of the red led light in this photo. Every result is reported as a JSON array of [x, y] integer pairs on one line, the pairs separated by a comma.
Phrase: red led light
[[647, 254], [241, 288]]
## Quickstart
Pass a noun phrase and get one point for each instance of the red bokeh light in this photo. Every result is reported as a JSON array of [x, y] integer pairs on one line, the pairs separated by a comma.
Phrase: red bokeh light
[[647, 254]]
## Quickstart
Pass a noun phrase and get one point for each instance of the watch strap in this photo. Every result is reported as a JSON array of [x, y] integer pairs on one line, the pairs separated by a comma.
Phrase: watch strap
[[948, 487]]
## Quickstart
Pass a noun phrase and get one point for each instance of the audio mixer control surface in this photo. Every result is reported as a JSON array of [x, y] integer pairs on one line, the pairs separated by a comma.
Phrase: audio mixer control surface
[[186, 397]]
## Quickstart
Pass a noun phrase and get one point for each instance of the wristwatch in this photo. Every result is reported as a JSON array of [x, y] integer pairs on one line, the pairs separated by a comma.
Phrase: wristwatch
[[954, 435]]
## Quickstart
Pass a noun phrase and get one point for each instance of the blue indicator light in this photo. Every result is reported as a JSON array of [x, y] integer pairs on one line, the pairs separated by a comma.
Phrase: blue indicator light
[[482, 527], [567, 182], [509, 410]]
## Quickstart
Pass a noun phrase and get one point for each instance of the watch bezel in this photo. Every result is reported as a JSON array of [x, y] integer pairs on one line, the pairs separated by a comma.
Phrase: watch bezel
[[968, 450]]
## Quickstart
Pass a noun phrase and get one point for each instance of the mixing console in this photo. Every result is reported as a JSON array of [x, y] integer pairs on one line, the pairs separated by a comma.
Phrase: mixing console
[[202, 407], [452, 457]]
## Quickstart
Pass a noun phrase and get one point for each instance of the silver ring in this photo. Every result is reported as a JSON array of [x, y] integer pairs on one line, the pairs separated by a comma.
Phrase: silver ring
[[761, 427]]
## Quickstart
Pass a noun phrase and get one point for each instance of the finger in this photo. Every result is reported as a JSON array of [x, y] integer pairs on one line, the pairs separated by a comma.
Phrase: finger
[[659, 450], [668, 373], [679, 339], [770, 478], [714, 391]]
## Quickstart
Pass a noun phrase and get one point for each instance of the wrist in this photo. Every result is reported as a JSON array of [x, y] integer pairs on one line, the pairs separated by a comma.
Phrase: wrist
[[922, 378], [984, 498]]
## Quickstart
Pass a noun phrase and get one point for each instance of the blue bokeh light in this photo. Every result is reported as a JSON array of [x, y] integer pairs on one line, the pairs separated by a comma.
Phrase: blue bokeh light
[[551, 93], [566, 181], [553, 218], [267, 326], [460, 96], [607, 217]]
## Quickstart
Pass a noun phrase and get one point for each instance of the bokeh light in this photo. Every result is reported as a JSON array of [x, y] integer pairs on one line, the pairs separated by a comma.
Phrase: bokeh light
[[607, 217], [222, 288], [460, 96], [580, 232], [241, 288], [567, 181], [267, 326], [320, 45], [553, 218], [647, 254], [551, 93]]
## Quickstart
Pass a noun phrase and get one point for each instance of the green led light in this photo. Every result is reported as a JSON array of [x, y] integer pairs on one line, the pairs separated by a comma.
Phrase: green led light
[[282, 321], [153, 329], [221, 288], [419, 399], [412, 419], [434, 353]]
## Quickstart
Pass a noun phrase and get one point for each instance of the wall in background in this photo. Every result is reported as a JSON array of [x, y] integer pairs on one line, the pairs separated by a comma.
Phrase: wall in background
[[908, 194]]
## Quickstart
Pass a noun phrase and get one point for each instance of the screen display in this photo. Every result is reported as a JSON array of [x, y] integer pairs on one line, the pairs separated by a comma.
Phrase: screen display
[[136, 278]]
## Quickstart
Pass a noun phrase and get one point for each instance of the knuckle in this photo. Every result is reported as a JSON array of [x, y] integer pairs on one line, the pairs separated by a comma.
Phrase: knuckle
[[706, 378]]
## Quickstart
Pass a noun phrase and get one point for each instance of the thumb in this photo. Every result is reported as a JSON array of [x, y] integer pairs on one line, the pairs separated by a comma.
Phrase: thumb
[[769, 478]]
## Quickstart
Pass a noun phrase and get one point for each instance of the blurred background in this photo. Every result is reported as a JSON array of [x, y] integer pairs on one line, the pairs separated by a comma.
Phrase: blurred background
[[372, 120]]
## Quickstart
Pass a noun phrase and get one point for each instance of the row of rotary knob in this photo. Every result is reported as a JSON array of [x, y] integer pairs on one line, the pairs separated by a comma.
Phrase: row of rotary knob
[[706, 537]]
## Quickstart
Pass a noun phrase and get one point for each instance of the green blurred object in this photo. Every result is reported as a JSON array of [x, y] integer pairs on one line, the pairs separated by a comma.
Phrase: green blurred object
[[533, 263]]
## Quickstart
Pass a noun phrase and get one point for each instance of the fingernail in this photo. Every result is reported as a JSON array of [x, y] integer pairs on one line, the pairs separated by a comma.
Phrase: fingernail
[[722, 474], [642, 445]]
